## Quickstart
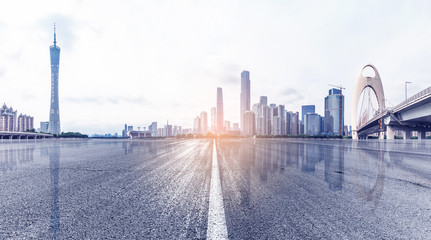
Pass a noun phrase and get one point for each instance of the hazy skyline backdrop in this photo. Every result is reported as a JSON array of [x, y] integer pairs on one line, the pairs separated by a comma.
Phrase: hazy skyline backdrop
[[141, 61]]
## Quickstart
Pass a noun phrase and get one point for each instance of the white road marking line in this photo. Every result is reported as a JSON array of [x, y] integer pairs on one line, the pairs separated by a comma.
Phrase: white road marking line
[[217, 228]]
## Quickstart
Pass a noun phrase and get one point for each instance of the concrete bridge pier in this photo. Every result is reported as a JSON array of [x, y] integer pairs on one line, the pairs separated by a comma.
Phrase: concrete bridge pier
[[390, 133], [422, 134], [381, 135], [407, 134]]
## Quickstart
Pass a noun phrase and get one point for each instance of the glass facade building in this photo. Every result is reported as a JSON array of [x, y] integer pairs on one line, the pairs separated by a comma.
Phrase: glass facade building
[[245, 96], [334, 112]]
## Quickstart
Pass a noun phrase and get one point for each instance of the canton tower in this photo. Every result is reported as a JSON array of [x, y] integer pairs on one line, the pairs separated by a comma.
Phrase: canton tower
[[54, 113]]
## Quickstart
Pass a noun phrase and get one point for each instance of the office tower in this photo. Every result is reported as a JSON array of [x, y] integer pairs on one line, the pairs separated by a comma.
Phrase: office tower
[[44, 127], [168, 130], [213, 119], [245, 96], [129, 128], [197, 125], [249, 124], [281, 113], [334, 112], [123, 133], [54, 114], [312, 124], [292, 123], [263, 118], [263, 100], [220, 119], [276, 127], [235, 127], [7, 119], [204, 122], [306, 109], [160, 132], [25, 123], [152, 128], [273, 112]]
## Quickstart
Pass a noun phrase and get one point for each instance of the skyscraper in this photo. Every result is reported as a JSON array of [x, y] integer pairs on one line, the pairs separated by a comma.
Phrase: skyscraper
[[292, 123], [306, 109], [245, 96], [312, 124], [197, 125], [282, 114], [213, 119], [204, 122], [334, 112], [262, 114], [220, 110], [263, 100], [249, 124], [54, 113]]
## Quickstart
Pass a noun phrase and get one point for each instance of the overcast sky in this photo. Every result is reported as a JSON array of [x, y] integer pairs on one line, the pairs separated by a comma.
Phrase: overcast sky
[[137, 62]]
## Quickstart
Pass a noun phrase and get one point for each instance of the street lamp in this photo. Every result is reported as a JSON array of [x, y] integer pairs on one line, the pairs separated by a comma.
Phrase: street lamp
[[405, 84]]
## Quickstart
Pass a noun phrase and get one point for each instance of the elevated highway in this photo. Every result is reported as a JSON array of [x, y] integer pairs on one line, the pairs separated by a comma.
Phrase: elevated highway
[[23, 135], [412, 114]]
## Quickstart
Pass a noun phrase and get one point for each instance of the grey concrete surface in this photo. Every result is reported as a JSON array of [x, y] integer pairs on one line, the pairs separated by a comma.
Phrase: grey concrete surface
[[159, 189], [98, 189], [326, 189]]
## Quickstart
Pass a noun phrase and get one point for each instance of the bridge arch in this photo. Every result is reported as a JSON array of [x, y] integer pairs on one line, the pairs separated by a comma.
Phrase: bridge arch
[[375, 83]]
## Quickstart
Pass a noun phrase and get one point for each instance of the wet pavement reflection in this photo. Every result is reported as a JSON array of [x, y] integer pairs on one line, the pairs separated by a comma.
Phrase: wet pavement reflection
[[278, 188], [272, 189]]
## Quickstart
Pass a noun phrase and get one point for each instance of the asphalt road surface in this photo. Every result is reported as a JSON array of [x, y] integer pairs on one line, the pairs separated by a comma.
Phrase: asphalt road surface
[[230, 188]]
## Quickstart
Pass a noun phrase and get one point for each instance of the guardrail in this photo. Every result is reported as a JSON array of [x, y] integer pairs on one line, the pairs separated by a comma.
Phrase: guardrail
[[379, 115], [413, 98]]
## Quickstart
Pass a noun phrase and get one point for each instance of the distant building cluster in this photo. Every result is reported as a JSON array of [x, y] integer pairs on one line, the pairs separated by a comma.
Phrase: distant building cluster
[[274, 120], [154, 131], [261, 118], [10, 122]]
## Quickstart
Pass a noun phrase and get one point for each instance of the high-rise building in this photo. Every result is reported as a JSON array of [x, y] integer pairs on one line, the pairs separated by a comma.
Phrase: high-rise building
[[153, 129], [245, 96], [197, 125], [263, 100], [282, 114], [306, 109], [204, 122], [249, 124], [220, 119], [8, 119], [168, 130], [54, 113], [44, 127], [25, 123], [213, 119], [276, 127], [123, 133], [263, 118], [273, 112], [334, 112], [312, 124], [292, 123]]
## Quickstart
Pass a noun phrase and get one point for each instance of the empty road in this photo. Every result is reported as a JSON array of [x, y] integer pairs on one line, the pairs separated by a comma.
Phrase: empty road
[[223, 188]]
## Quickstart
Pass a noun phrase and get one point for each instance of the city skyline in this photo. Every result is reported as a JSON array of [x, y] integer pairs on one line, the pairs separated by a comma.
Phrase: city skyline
[[290, 63]]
